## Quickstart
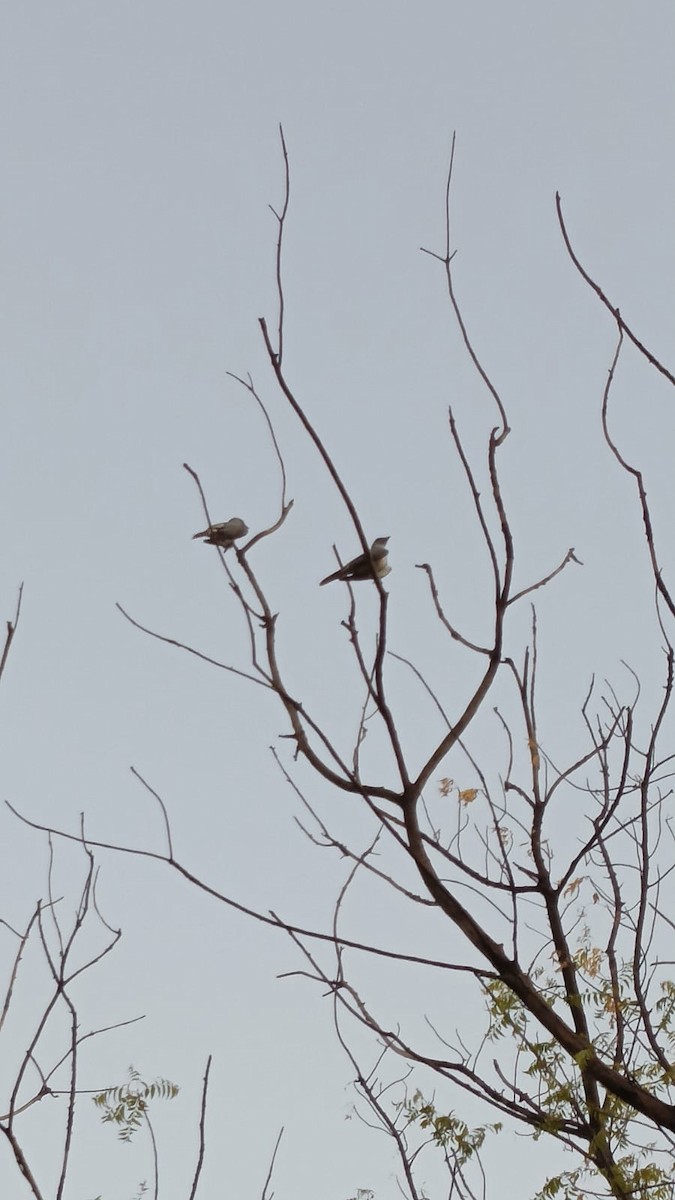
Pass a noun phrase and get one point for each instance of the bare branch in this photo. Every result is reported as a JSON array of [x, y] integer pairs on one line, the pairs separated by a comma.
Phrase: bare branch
[[569, 557], [637, 476], [202, 1131], [248, 385], [264, 1195], [11, 630], [651, 358], [169, 641]]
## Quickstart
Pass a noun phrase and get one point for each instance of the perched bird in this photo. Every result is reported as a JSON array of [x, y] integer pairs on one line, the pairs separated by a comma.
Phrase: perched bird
[[364, 566], [224, 533]]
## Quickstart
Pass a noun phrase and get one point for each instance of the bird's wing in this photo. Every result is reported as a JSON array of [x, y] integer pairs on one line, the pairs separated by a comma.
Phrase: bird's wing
[[346, 572], [234, 528]]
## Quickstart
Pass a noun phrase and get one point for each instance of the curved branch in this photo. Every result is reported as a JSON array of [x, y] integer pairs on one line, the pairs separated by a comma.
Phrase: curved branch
[[271, 919], [569, 557], [651, 358], [637, 475]]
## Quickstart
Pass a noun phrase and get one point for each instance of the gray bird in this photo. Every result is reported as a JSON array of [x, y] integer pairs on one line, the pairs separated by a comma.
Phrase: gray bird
[[364, 566], [224, 533]]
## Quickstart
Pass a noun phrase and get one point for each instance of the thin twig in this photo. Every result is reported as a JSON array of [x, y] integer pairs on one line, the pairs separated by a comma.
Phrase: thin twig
[[281, 218], [264, 1195], [169, 641], [11, 630], [612, 308], [248, 385], [569, 557], [162, 805], [202, 1131], [639, 482]]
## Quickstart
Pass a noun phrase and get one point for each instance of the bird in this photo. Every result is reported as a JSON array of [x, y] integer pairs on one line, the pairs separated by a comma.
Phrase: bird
[[364, 566], [224, 533]]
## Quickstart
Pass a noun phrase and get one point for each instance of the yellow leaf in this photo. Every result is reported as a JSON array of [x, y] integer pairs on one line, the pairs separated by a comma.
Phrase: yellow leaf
[[573, 886], [467, 796]]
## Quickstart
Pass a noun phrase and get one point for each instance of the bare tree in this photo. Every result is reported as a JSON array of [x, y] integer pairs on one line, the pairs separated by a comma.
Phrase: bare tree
[[44, 1047], [557, 938], [47, 1053]]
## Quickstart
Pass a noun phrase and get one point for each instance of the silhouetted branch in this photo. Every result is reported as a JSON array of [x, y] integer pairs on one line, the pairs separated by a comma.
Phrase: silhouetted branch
[[11, 630], [651, 358], [202, 1131], [264, 1195]]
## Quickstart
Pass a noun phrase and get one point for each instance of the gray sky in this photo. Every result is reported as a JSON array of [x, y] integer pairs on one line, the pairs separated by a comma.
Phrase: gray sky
[[140, 152]]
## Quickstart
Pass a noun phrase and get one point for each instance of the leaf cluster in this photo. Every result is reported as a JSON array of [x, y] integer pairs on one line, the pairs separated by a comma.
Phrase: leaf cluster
[[126, 1105]]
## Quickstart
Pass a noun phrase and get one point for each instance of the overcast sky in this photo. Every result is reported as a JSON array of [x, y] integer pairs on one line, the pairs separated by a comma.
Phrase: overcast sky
[[140, 153]]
